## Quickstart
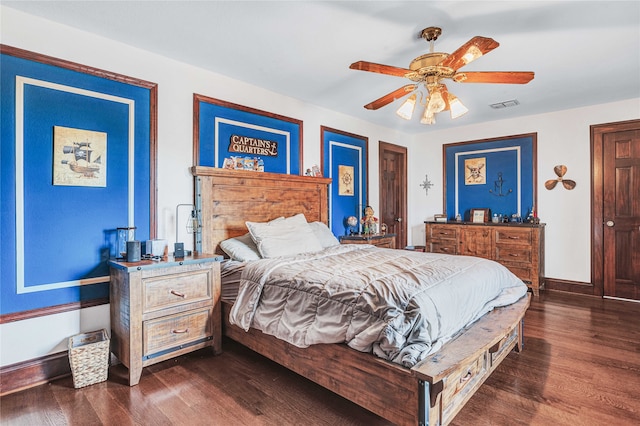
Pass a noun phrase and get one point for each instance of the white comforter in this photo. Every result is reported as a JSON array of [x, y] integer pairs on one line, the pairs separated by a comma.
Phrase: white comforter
[[401, 305]]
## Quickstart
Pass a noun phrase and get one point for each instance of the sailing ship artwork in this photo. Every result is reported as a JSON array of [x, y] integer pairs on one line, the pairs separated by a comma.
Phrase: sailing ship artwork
[[80, 157]]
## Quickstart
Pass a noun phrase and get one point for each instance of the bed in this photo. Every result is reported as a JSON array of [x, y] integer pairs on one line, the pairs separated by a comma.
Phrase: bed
[[430, 392]]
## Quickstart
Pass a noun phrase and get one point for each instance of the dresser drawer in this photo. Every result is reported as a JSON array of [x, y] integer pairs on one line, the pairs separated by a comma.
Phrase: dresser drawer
[[512, 236], [513, 253], [174, 330], [444, 246], [176, 289], [525, 273], [442, 232]]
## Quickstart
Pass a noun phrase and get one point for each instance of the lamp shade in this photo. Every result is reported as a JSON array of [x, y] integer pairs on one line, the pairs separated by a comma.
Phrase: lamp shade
[[456, 107], [406, 109]]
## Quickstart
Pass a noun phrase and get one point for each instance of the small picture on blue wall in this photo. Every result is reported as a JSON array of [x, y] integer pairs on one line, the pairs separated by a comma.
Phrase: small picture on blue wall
[[79, 157], [474, 171], [345, 180]]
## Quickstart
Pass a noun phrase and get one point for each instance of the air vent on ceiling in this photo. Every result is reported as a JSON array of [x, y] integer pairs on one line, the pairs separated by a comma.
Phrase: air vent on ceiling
[[505, 104]]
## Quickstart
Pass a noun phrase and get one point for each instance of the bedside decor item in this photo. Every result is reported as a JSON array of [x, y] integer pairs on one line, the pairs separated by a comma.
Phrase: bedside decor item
[[369, 221], [192, 226], [560, 172], [89, 358], [352, 225], [123, 235], [133, 251]]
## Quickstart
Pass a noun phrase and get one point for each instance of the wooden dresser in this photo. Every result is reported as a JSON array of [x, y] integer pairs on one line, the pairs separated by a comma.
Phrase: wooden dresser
[[162, 309], [378, 240], [519, 247]]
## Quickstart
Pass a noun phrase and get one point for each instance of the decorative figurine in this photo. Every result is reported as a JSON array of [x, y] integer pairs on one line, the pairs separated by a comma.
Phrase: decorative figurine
[[369, 221]]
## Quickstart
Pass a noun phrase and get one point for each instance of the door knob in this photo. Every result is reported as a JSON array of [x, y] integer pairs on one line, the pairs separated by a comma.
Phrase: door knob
[[398, 219], [610, 223]]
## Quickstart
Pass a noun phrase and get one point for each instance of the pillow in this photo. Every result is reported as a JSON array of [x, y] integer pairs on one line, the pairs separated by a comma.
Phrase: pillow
[[241, 248], [324, 234], [285, 237]]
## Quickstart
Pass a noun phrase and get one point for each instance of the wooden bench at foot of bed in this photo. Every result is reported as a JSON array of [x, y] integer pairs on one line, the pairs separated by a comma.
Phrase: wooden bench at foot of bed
[[430, 393]]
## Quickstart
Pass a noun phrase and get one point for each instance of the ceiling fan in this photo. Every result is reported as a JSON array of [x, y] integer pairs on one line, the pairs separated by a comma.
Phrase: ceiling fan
[[430, 69]]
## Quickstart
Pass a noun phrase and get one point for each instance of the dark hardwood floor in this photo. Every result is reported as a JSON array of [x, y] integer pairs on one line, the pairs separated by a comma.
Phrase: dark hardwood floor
[[580, 366]]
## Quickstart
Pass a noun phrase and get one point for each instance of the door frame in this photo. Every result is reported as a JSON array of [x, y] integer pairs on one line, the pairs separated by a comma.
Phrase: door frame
[[597, 197], [402, 150]]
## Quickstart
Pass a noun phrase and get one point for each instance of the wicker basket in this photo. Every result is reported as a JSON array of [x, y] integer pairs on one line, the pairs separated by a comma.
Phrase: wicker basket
[[89, 358]]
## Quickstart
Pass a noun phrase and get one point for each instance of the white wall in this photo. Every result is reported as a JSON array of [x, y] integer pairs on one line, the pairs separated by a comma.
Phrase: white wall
[[563, 138]]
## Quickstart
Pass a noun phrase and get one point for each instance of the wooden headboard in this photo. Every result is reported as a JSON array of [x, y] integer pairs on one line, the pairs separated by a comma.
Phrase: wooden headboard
[[228, 198]]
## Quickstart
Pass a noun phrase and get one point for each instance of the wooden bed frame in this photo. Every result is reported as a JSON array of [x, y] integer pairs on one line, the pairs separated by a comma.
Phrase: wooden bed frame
[[430, 393]]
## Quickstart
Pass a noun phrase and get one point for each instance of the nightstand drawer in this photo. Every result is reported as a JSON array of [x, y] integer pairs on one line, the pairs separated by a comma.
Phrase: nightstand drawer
[[176, 289], [175, 330]]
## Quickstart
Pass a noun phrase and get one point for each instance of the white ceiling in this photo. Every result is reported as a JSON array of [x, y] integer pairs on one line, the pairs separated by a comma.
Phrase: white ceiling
[[582, 52]]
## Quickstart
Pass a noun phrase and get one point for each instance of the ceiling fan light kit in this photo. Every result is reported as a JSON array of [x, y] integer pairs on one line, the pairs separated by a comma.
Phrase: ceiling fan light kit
[[428, 70]]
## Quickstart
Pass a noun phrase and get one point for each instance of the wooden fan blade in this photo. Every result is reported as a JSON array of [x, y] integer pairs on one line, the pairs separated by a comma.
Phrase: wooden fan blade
[[560, 170], [390, 97], [550, 184], [379, 68], [470, 51], [569, 184], [504, 77]]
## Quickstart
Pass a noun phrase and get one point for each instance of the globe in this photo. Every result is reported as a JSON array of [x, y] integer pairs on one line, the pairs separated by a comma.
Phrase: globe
[[352, 221]]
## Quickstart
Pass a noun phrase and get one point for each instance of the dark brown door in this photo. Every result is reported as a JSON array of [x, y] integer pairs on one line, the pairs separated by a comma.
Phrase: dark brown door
[[619, 147], [393, 190]]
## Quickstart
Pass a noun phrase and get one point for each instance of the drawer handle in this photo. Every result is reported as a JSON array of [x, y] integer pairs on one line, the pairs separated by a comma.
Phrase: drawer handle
[[466, 377], [511, 237], [175, 293], [444, 249], [444, 233], [186, 330], [514, 255]]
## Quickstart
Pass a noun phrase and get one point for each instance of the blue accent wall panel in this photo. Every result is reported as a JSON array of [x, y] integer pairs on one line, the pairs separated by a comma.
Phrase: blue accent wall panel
[[217, 123], [342, 149], [57, 238], [508, 174]]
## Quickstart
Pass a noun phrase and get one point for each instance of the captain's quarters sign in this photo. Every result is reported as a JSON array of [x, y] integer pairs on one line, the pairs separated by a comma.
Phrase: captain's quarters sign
[[253, 146]]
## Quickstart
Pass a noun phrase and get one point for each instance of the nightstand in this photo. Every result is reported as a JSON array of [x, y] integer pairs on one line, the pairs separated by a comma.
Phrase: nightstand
[[378, 240], [162, 309]]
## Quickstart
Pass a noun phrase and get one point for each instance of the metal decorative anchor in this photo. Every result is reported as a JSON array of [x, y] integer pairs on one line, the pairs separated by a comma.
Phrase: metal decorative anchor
[[497, 187]]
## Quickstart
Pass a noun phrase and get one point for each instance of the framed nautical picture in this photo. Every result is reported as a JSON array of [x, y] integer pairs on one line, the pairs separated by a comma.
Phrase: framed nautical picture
[[79, 157]]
